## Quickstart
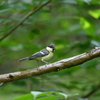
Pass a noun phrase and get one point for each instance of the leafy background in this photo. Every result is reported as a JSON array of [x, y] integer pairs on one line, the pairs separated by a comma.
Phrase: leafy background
[[72, 25]]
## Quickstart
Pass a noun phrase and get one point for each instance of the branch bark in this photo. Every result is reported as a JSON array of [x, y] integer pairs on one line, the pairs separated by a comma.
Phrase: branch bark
[[26, 17], [59, 65]]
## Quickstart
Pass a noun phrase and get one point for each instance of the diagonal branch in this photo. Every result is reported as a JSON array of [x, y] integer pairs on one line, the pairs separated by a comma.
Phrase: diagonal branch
[[26, 17], [92, 91], [59, 65]]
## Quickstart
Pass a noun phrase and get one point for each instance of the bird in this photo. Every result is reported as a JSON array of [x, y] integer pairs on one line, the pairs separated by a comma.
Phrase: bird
[[43, 55]]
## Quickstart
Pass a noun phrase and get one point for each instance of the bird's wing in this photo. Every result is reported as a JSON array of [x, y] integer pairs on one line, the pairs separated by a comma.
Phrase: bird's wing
[[39, 54]]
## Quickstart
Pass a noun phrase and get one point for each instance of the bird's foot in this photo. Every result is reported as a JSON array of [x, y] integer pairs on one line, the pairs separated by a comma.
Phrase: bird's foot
[[47, 64]]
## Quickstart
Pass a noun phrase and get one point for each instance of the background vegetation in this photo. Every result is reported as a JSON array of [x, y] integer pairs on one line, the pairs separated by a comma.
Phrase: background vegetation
[[72, 25]]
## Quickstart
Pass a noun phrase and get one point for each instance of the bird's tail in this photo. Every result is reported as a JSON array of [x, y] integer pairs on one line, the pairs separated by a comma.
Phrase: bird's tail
[[26, 58]]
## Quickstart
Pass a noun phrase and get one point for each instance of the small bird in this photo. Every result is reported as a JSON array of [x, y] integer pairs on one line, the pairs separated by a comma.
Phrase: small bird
[[44, 55]]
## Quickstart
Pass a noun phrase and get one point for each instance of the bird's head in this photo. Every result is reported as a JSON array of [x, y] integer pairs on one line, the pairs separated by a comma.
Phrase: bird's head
[[51, 47]]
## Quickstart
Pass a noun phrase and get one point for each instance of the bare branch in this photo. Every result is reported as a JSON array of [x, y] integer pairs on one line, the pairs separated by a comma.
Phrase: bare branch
[[62, 64], [26, 17]]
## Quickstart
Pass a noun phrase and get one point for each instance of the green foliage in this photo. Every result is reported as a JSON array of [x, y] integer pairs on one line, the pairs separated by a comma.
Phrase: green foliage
[[25, 97], [50, 96], [72, 25], [35, 95]]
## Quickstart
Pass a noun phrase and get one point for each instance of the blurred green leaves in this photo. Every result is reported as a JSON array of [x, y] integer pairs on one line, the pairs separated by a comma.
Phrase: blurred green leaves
[[25, 97], [43, 96], [72, 25], [95, 13], [88, 25]]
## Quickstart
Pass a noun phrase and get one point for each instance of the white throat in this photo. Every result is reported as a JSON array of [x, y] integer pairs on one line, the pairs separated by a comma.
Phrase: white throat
[[49, 49]]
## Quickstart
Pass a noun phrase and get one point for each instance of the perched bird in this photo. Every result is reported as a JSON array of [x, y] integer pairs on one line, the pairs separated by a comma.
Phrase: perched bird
[[44, 55]]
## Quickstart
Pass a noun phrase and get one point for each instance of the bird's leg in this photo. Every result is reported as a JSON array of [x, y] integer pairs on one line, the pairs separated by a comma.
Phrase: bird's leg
[[45, 62], [37, 62]]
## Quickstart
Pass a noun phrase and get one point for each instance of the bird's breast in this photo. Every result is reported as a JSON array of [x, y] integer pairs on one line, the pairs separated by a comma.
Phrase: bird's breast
[[48, 57]]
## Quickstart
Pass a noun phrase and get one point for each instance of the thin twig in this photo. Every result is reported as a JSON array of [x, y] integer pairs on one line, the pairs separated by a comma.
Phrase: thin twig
[[92, 92], [1, 83], [26, 17]]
